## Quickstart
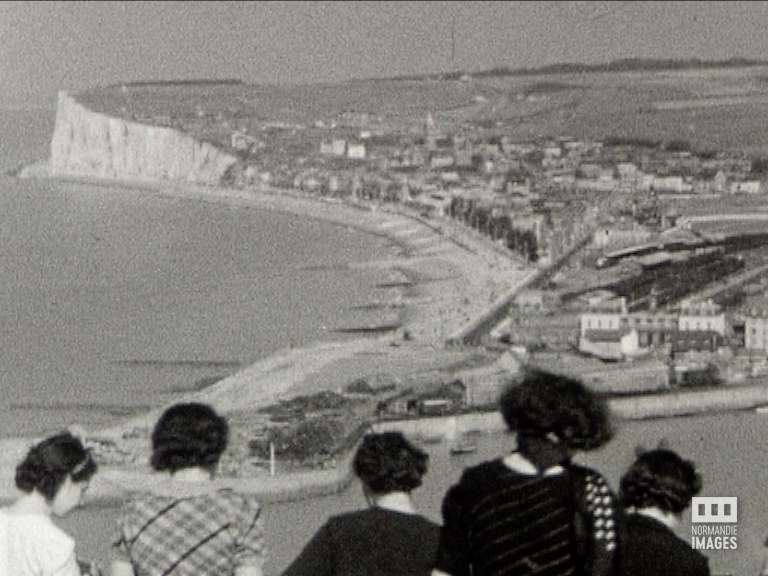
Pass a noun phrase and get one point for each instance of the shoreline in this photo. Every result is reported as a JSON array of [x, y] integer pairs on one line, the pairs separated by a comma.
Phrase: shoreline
[[447, 281], [444, 275], [113, 483]]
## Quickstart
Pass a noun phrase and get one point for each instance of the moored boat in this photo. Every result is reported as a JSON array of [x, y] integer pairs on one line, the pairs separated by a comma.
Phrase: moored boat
[[463, 447]]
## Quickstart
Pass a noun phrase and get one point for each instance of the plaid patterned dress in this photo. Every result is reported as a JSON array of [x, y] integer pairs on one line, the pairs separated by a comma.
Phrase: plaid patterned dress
[[208, 534]]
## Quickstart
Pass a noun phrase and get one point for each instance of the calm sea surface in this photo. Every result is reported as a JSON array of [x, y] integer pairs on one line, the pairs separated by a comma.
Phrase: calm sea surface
[[114, 300], [728, 449]]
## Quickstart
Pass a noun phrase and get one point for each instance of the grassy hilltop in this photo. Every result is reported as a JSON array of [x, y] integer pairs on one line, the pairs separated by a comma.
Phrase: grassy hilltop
[[720, 106]]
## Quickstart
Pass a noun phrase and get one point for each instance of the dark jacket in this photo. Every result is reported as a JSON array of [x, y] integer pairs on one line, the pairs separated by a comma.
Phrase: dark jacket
[[649, 548], [372, 542]]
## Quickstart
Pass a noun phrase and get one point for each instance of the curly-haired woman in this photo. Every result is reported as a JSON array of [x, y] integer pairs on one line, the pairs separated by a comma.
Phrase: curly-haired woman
[[655, 491], [189, 527], [387, 538], [534, 511], [52, 477]]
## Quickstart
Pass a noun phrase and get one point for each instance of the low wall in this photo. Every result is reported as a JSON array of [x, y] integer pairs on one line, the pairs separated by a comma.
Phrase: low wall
[[111, 485], [690, 402], [663, 405], [473, 332], [444, 426]]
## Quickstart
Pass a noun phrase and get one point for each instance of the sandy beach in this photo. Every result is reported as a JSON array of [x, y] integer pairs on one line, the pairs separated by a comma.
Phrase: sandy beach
[[450, 276], [455, 276]]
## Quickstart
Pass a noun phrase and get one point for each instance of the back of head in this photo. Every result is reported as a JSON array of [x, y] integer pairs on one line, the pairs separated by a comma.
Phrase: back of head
[[660, 479], [188, 435], [47, 465], [544, 404], [387, 462]]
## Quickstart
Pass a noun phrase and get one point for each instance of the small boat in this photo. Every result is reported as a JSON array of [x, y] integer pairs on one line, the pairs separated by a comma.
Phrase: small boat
[[762, 409], [463, 447], [371, 329], [436, 439]]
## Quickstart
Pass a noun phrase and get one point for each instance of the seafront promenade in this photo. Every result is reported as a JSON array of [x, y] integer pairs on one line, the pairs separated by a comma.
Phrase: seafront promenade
[[113, 483], [452, 276], [454, 282], [475, 279]]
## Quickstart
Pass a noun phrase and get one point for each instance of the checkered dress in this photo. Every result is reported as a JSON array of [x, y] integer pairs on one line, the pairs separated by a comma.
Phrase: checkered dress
[[208, 534]]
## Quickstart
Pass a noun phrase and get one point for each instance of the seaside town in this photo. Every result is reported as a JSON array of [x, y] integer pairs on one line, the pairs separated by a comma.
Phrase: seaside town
[[384, 288], [649, 274]]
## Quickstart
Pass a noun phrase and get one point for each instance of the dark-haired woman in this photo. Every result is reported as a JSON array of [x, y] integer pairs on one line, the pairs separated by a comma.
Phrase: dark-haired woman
[[187, 527], [655, 491], [53, 477], [387, 538], [534, 511]]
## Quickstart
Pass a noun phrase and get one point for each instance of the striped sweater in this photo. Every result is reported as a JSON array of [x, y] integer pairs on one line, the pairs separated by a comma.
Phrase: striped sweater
[[497, 521]]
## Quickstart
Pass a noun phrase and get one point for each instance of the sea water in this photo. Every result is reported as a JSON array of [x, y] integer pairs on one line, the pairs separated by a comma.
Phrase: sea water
[[728, 450], [115, 300]]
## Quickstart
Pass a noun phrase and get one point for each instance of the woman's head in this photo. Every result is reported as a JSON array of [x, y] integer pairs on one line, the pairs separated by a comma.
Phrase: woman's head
[[557, 407], [58, 461], [660, 479], [387, 462], [188, 435]]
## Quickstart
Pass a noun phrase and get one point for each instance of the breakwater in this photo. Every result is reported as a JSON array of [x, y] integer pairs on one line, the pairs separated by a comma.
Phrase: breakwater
[[669, 404], [690, 402], [113, 484]]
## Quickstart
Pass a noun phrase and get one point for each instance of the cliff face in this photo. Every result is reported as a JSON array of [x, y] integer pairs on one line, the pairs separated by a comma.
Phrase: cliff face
[[86, 143]]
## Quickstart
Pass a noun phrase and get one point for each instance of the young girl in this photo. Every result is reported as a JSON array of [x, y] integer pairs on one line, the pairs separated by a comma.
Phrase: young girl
[[388, 537], [53, 477], [521, 513], [655, 491], [188, 526]]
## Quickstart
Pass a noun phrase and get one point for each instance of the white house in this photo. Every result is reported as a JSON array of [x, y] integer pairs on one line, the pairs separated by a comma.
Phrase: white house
[[338, 147], [701, 316], [356, 151], [674, 184], [746, 187], [756, 331]]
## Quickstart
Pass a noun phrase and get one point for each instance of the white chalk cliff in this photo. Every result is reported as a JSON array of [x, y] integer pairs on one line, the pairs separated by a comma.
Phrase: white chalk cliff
[[90, 144]]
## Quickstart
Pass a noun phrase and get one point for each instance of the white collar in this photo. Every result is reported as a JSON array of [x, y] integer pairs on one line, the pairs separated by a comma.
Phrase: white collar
[[195, 474], [396, 502], [669, 519], [519, 463], [32, 503]]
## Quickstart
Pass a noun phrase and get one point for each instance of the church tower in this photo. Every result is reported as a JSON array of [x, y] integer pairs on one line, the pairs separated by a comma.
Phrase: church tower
[[430, 133]]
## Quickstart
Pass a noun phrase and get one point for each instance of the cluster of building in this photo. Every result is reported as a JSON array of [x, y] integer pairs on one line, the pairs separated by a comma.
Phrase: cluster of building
[[624, 351], [540, 198], [555, 191], [558, 190]]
